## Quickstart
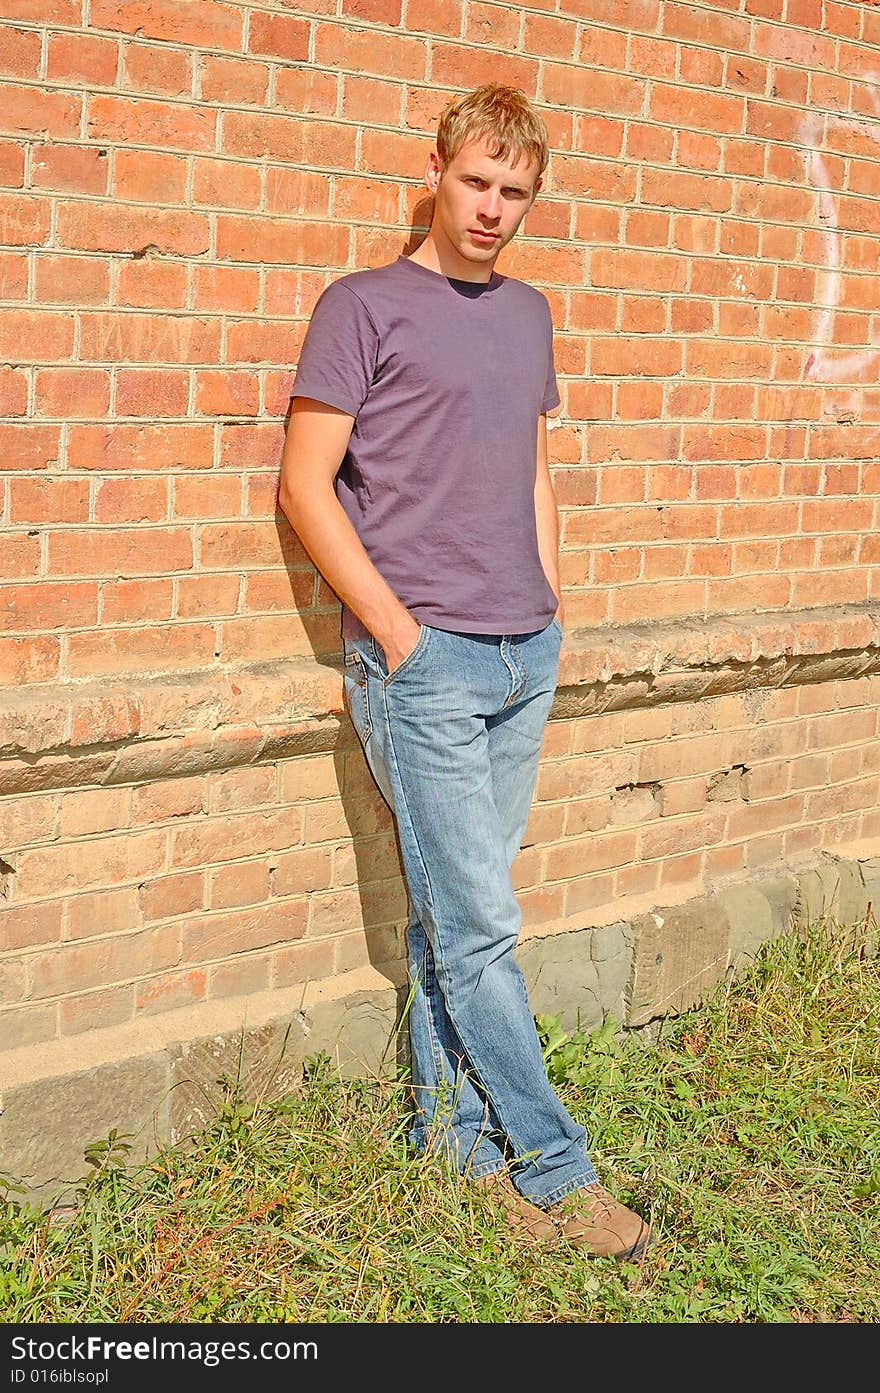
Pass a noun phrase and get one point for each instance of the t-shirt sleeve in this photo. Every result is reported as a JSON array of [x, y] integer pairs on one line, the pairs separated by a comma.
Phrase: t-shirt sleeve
[[551, 396], [338, 356]]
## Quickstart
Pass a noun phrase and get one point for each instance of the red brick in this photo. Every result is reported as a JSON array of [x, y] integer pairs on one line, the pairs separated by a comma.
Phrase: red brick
[[280, 240], [103, 227], [48, 500], [150, 282], [169, 798], [171, 896], [287, 138], [170, 991], [280, 36], [306, 91], [305, 962], [27, 819], [29, 446], [227, 393], [242, 788], [142, 338], [203, 23], [40, 112], [19, 52], [371, 99], [297, 191], [133, 601], [221, 838], [102, 911], [375, 11], [28, 1025], [206, 595], [81, 58], [228, 80], [141, 650], [24, 660], [208, 496], [253, 974], [143, 446], [30, 926], [151, 68], [142, 551], [20, 560], [152, 392], [24, 222], [251, 446], [75, 280], [48, 606], [53, 11], [13, 392], [146, 176], [72, 392], [213, 937], [36, 335], [226, 184], [101, 962], [131, 500], [370, 51], [82, 864], [122, 120], [11, 164], [242, 883], [234, 289], [260, 341]]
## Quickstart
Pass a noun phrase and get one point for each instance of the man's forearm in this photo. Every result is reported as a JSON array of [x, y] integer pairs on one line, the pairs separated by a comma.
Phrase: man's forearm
[[325, 531], [547, 527]]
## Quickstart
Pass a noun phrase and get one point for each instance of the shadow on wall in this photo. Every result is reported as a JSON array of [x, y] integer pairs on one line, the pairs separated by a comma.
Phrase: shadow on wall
[[376, 934]]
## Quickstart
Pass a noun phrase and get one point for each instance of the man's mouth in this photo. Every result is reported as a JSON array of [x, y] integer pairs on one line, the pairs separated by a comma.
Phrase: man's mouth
[[483, 236]]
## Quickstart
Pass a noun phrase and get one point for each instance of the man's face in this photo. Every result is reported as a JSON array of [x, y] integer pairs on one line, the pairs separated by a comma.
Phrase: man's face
[[477, 194]]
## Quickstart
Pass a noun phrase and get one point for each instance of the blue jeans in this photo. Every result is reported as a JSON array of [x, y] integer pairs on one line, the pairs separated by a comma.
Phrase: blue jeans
[[453, 738]]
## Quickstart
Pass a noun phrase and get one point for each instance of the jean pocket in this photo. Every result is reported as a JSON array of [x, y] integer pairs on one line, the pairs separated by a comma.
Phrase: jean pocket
[[419, 648], [555, 620], [357, 702]]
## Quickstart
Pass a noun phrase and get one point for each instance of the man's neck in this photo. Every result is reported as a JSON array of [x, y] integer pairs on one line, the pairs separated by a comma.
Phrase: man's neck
[[446, 262]]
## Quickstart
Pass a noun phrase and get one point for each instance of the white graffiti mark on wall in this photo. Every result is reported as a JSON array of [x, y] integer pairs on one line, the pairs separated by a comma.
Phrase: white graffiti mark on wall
[[824, 363]]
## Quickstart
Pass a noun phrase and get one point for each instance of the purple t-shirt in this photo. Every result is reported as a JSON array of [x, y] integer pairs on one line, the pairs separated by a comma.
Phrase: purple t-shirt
[[445, 379]]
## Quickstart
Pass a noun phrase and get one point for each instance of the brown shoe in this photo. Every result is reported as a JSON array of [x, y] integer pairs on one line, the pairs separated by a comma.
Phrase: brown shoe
[[590, 1218], [533, 1223]]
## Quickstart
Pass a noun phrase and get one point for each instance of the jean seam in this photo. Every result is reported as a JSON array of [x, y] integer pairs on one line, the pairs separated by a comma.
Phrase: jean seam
[[435, 1043], [439, 955], [360, 680]]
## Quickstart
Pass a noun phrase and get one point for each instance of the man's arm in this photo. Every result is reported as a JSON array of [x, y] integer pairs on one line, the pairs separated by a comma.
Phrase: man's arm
[[317, 438], [547, 518]]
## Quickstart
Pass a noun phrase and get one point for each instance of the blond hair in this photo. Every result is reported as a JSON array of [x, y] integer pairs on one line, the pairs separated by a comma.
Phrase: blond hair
[[500, 114]]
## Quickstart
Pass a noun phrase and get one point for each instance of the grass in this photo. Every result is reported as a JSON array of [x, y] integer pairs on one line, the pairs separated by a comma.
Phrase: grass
[[750, 1130]]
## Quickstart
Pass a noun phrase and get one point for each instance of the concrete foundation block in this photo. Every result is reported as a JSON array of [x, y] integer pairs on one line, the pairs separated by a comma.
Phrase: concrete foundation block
[[751, 920], [45, 1126], [358, 1032], [562, 979], [834, 889], [266, 1063], [679, 954]]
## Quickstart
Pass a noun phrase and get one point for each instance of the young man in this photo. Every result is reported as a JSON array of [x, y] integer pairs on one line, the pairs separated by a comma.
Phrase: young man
[[415, 473]]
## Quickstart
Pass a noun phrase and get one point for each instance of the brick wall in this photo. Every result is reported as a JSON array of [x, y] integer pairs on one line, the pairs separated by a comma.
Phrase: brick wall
[[185, 816]]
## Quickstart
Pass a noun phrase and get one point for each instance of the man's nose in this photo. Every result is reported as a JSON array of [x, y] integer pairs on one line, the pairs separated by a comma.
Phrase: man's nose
[[490, 205]]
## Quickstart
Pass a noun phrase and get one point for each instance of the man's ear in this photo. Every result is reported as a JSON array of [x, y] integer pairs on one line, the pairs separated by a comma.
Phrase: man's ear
[[537, 184], [433, 171]]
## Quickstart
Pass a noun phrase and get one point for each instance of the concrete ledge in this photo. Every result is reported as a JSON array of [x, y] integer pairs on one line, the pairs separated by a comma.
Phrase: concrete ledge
[[101, 733], [162, 1079]]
